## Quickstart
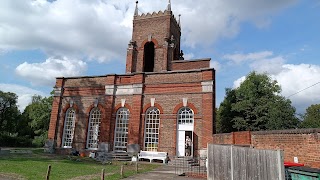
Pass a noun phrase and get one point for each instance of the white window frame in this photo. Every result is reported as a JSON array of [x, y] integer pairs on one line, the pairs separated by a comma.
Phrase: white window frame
[[185, 116], [151, 129], [93, 129], [121, 130], [68, 128]]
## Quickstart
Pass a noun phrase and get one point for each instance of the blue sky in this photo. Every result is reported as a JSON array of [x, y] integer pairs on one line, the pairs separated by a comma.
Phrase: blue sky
[[41, 40]]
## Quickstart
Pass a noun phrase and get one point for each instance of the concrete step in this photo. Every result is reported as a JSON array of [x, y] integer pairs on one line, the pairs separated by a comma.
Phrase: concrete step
[[120, 156], [112, 156]]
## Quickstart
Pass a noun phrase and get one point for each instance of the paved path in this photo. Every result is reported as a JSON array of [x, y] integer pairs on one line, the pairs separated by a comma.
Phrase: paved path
[[164, 172]]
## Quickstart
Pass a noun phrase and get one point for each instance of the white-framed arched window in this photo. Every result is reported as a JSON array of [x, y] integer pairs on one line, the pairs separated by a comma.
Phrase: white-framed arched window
[[93, 129], [151, 132], [121, 130], [68, 128], [185, 116]]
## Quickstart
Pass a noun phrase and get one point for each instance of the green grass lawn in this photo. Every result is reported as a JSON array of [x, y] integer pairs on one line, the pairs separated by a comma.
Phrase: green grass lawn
[[34, 166]]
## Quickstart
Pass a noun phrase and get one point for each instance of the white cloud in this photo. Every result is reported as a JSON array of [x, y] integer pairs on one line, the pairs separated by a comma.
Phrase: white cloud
[[271, 65], [291, 77], [24, 94], [188, 56], [46, 72], [209, 20], [238, 58], [237, 82], [75, 28], [100, 29], [294, 78], [216, 65], [263, 61]]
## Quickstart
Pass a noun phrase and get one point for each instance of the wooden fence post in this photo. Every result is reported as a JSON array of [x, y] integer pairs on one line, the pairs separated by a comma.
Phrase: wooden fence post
[[232, 168], [121, 171], [280, 165], [102, 174], [48, 172], [136, 167]]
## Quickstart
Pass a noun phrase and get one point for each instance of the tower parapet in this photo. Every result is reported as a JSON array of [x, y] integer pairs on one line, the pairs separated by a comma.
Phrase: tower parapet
[[157, 14], [156, 38]]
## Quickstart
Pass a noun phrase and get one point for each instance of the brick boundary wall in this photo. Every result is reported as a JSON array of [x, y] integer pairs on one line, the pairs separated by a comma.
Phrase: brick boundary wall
[[301, 143], [237, 138]]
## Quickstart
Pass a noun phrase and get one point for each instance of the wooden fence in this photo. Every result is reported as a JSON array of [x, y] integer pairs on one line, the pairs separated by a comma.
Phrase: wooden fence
[[228, 162]]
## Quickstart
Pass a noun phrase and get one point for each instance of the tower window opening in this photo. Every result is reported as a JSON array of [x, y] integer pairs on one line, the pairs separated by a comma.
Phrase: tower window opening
[[148, 57]]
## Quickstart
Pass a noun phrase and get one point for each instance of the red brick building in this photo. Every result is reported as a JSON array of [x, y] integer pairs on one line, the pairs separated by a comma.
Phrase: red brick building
[[159, 101]]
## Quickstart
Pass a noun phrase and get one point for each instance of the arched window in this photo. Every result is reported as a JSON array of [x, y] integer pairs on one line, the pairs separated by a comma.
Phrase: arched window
[[93, 129], [121, 130], [185, 116], [68, 128], [151, 134], [148, 57]]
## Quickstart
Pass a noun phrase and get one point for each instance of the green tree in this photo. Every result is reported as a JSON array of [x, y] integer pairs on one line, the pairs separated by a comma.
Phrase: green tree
[[9, 113], [311, 119], [38, 111], [281, 115], [225, 114], [256, 105]]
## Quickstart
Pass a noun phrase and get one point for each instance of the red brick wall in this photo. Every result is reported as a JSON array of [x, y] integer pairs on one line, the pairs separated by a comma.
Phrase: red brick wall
[[242, 138], [168, 88], [301, 143], [168, 119], [173, 77], [188, 65], [304, 144], [238, 138], [225, 138]]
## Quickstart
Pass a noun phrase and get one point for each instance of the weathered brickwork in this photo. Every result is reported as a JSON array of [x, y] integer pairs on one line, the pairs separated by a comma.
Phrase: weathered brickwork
[[185, 65], [301, 143], [85, 82], [192, 84], [173, 77]]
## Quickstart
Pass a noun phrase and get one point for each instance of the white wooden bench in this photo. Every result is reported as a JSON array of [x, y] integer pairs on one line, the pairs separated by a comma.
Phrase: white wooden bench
[[151, 155]]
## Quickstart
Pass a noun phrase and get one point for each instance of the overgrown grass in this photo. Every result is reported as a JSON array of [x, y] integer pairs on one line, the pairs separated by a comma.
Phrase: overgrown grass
[[35, 165]]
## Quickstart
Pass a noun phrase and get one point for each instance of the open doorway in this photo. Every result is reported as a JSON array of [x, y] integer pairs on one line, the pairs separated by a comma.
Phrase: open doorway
[[188, 143], [184, 143]]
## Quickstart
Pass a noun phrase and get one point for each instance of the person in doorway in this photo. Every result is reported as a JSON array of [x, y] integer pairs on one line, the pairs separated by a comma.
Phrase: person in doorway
[[188, 146]]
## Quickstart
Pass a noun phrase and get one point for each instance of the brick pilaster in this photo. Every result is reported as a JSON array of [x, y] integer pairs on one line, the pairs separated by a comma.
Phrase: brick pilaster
[[207, 119], [54, 118], [135, 121], [55, 112]]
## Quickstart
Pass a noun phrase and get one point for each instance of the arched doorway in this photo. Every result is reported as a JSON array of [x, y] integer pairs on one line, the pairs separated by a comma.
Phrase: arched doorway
[[185, 123]]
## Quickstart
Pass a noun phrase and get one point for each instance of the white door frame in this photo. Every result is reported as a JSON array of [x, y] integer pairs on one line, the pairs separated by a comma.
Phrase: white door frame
[[180, 143], [181, 131]]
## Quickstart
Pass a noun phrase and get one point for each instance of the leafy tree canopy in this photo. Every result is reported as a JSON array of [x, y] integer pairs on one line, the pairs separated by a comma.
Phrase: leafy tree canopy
[[225, 114], [256, 105], [312, 117], [9, 113], [38, 112]]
